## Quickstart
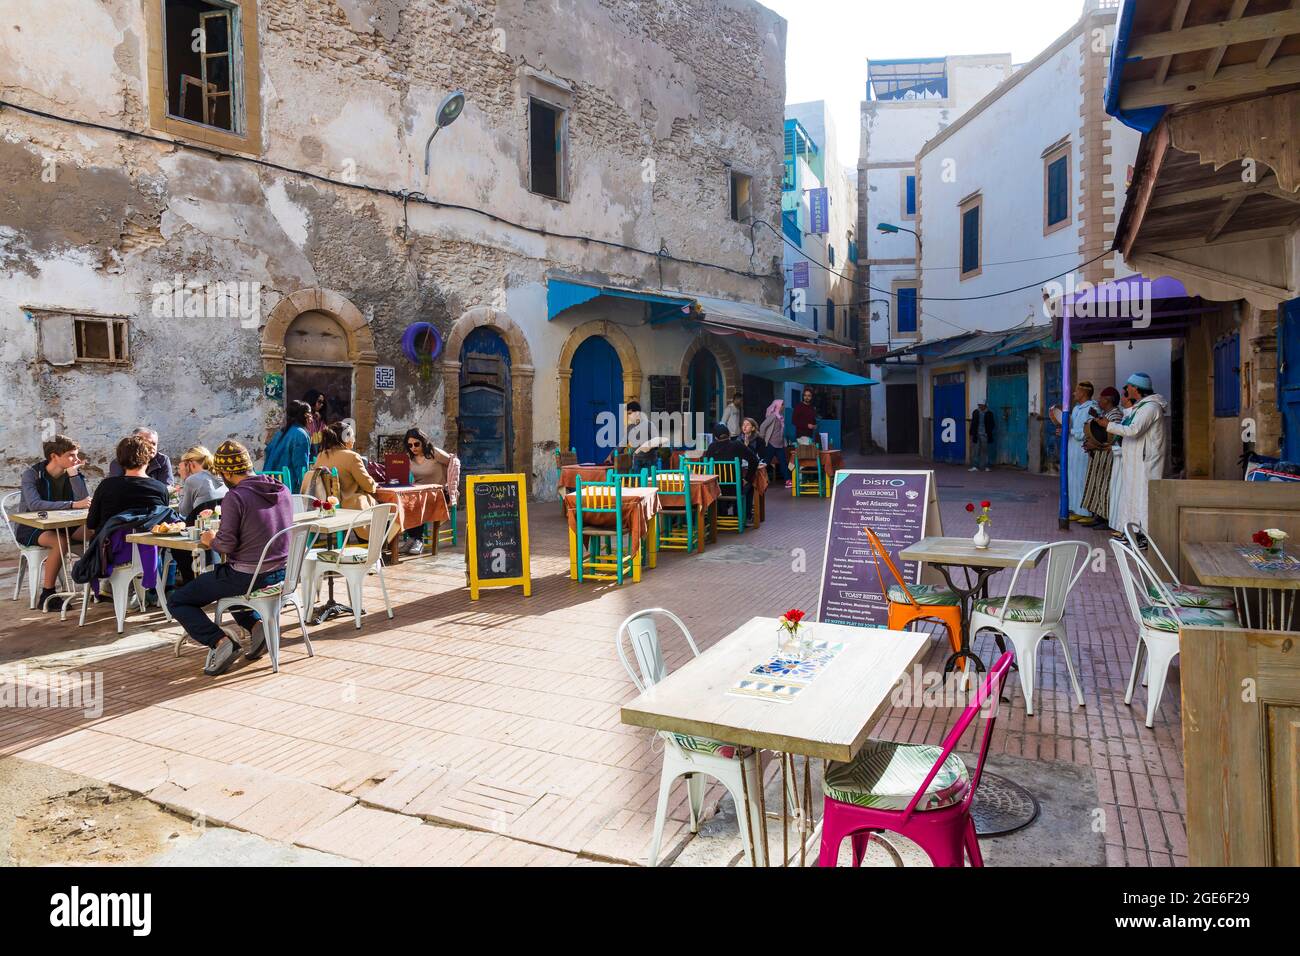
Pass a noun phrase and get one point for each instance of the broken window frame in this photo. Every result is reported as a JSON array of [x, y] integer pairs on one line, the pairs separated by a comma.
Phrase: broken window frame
[[117, 335], [561, 148], [232, 15]]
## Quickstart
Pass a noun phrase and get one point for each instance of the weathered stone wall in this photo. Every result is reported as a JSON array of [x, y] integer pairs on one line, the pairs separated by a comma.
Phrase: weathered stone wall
[[91, 219]]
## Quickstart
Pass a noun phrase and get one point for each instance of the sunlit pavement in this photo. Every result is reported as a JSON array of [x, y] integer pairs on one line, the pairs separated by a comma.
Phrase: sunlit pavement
[[486, 733]]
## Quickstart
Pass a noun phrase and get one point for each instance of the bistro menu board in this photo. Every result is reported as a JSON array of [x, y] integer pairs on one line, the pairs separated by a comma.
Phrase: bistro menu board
[[894, 504], [496, 552]]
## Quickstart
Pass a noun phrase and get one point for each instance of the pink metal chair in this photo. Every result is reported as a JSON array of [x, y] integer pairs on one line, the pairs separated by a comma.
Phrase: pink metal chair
[[870, 793]]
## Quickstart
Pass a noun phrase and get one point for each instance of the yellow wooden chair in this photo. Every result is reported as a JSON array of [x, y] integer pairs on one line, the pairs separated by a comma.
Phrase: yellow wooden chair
[[603, 553]]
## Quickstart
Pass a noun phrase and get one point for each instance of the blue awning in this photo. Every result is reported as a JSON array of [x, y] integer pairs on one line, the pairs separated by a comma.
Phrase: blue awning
[[564, 294], [1142, 120]]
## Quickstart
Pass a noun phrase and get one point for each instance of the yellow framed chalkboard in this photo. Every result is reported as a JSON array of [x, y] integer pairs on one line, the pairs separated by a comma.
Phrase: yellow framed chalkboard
[[496, 549]]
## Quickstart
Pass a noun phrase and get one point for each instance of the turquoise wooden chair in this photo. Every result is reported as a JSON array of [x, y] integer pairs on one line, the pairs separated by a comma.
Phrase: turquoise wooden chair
[[676, 529], [603, 553], [731, 479], [698, 466], [630, 479], [808, 477], [279, 474]]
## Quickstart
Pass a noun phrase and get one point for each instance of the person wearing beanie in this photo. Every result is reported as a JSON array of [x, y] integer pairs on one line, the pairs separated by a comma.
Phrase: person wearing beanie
[[254, 509], [1145, 452]]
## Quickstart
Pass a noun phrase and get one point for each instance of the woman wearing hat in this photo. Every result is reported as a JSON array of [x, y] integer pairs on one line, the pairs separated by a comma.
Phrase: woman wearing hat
[[1146, 449]]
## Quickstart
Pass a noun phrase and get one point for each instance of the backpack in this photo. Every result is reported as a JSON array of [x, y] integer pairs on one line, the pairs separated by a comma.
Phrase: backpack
[[321, 483]]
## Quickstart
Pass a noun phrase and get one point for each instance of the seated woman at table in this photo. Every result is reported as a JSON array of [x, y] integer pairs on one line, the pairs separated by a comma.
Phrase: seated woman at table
[[430, 465], [131, 491], [53, 484], [290, 447], [200, 490], [726, 448], [356, 487]]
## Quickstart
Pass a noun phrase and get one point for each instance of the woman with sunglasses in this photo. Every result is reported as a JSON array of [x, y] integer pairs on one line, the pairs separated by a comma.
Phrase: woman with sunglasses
[[428, 465]]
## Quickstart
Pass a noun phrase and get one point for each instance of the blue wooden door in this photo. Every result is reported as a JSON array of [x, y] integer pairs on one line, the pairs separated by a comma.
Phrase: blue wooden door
[[1008, 400], [483, 429], [949, 419], [595, 388], [1288, 377], [1051, 396]]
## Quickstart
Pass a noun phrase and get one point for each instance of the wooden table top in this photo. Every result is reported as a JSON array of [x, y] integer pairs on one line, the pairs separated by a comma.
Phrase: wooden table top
[[66, 518], [165, 541], [338, 521], [1220, 564], [962, 551], [829, 719]]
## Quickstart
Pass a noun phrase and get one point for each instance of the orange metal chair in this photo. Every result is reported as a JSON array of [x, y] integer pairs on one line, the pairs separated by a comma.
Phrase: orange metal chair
[[908, 604]]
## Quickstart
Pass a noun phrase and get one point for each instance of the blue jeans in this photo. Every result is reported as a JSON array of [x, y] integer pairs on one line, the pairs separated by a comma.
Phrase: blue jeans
[[187, 602], [981, 452]]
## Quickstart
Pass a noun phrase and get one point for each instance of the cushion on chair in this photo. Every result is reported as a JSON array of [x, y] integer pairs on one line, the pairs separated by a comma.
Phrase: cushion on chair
[[1196, 595], [1159, 618], [886, 775], [271, 590], [930, 594], [1021, 607], [349, 555], [706, 745]]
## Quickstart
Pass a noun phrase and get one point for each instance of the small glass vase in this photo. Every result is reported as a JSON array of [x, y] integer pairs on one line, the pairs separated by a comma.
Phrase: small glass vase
[[982, 538], [796, 644]]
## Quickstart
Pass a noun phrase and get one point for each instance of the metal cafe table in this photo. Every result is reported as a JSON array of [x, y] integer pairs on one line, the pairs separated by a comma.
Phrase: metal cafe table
[[1271, 590], [983, 563], [829, 719], [62, 523]]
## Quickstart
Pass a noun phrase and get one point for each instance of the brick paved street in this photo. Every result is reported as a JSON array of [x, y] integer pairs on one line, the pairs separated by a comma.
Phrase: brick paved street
[[488, 733]]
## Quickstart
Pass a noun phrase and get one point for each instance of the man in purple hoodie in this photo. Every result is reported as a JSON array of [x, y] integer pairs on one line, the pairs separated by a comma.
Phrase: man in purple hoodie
[[254, 509]]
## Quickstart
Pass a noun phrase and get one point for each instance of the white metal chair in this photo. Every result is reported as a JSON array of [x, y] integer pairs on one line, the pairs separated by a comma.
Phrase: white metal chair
[[353, 562], [1186, 595], [684, 755], [1158, 617], [268, 602], [120, 580], [31, 557], [1026, 618], [301, 503]]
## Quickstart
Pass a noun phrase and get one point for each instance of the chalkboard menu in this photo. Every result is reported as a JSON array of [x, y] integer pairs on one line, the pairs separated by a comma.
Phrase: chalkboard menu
[[893, 504], [665, 393], [496, 551]]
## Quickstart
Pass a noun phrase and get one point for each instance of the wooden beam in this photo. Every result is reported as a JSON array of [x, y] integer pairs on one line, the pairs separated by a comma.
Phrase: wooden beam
[[1216, 55], [1153, 264], [1133, 221], [1278, 193], [1175, 24], [1219, 191], [1270, 48], [1230, 207], [1199, 242], [1266, 26], [1231, 81]]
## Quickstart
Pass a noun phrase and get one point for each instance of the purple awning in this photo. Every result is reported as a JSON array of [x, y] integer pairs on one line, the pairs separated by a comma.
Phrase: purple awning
[[1133, 307]]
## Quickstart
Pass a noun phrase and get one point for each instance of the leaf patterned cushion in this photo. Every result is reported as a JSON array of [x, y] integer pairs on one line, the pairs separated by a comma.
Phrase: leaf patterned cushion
[[351, 555], [1196, 595], [886, 775], [706, 745], [271, 590], [1160, 619], [930, 594], [1021, 607]]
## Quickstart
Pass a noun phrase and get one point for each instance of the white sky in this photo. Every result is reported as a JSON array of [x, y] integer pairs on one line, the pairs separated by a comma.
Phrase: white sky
[[829, 41]]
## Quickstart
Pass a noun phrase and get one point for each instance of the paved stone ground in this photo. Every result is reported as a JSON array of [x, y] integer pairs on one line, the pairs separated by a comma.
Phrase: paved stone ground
[[488, 733]]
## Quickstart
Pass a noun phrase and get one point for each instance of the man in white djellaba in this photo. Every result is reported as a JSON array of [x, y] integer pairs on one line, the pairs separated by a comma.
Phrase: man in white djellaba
[[1145, 450]]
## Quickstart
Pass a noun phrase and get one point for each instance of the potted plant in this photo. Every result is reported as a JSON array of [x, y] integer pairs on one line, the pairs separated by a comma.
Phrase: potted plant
[[793, 636], [1271, 540]]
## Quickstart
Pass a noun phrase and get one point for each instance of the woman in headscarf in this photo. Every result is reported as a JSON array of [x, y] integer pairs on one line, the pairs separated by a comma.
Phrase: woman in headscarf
[[772, 432], [318, 404]]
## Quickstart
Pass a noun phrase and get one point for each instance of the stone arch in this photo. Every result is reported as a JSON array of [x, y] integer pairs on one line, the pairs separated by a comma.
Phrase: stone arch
[[726, 358], [360, 344], [622, 344], [522, 373]]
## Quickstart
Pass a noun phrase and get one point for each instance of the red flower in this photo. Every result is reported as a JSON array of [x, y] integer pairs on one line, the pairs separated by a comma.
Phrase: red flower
[[985, 504], [970, 507], [1262, 538], [794, 615]]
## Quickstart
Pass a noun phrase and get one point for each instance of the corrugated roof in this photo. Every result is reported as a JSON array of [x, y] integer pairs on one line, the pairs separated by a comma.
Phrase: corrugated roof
[[980, 344]]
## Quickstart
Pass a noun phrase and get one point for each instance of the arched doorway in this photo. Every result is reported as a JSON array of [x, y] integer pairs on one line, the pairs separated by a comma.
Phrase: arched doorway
[[485, 433], [316, 360], [705, 379], [595, 388], [315, 338]]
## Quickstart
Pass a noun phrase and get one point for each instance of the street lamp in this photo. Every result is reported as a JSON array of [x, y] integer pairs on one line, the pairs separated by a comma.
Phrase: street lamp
[[889, 229], [451, 107]]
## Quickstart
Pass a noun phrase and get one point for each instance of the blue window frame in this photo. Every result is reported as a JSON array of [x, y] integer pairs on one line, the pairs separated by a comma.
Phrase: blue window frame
[[1227, 376], [909, 200], [906, 308], [1058, 190], [970, 239], [830, 316]]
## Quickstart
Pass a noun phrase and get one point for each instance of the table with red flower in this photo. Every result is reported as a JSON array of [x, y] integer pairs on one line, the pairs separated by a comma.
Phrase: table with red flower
[[1266, 594]]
